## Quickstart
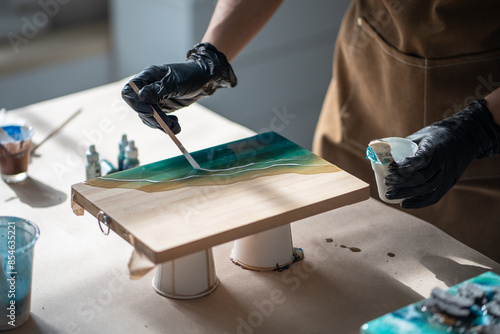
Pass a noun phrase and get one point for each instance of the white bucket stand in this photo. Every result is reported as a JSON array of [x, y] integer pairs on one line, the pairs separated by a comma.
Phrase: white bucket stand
[[188, 277], [266, 251]]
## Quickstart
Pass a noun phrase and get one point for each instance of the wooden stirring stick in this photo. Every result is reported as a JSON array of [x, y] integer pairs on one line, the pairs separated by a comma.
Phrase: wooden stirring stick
[[56, 130], [166, 128]]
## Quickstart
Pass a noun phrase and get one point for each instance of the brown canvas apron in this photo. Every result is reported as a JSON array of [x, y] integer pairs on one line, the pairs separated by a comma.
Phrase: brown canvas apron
[[401, 65]]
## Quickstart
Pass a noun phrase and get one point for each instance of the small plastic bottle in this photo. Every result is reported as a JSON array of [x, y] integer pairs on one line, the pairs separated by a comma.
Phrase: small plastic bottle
[[131, 155], [121, 155], [93, 167]]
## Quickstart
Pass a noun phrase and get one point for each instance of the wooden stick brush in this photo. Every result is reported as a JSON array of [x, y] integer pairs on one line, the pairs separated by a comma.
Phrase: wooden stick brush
[[166, 128]]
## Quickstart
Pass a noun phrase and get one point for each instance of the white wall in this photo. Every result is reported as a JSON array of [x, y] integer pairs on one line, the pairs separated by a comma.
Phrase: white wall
[[283, 73], [45, 64]]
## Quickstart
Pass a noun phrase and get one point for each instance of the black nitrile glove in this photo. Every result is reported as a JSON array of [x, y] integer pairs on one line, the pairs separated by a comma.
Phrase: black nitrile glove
[[174, 86], [445, 149]]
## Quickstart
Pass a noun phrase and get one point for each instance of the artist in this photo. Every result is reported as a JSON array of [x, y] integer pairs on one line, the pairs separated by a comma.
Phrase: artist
[[401, 68]]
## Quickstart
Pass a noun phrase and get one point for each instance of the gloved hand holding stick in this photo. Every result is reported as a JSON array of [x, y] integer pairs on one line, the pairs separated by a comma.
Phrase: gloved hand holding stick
[[174, 86]]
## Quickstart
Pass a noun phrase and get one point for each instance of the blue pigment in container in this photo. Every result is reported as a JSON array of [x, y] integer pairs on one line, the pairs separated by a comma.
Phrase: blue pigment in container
[[17, 240]]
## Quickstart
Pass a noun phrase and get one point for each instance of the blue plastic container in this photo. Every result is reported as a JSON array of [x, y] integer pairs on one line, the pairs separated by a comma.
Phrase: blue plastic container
[[17, 241]]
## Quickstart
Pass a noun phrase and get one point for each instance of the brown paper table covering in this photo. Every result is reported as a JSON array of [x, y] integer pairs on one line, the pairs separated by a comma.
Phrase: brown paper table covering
[[80, 278]]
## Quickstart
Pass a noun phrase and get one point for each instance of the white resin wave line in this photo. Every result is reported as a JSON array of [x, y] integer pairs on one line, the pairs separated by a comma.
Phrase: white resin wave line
[[128, 180], [204, 169], [243, 166], [239, 172], [191, 176]]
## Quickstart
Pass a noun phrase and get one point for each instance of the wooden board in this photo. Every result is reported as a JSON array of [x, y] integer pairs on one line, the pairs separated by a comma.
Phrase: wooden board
[[166, 209]]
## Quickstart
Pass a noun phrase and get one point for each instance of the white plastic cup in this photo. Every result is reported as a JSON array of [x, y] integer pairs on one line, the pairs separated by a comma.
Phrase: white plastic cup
[[188, 277], [400, 148], [264, 251]]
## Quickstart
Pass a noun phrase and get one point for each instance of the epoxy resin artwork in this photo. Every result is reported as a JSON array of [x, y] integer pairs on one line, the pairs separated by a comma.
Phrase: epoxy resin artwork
[[265, 154], [471, 307]]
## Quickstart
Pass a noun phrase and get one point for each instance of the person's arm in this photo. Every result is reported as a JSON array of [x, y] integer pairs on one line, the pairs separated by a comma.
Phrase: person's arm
[[235, 22], [493, 103], [174, 86]]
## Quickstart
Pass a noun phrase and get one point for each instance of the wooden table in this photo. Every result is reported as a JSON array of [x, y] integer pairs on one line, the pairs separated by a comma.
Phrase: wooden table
[[81, 282]]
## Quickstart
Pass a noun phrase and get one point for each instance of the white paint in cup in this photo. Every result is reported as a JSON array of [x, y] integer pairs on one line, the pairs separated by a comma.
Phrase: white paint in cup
[[400, 148]]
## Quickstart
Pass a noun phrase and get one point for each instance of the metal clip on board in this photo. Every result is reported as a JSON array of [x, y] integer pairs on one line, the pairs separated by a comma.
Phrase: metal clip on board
[[103, 219]]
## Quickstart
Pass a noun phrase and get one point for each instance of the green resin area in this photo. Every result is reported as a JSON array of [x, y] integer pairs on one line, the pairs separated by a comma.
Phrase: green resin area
[[411, 319], [261, 155]]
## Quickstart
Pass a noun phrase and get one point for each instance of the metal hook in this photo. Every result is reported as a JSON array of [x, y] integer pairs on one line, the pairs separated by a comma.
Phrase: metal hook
[[103, 219]]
